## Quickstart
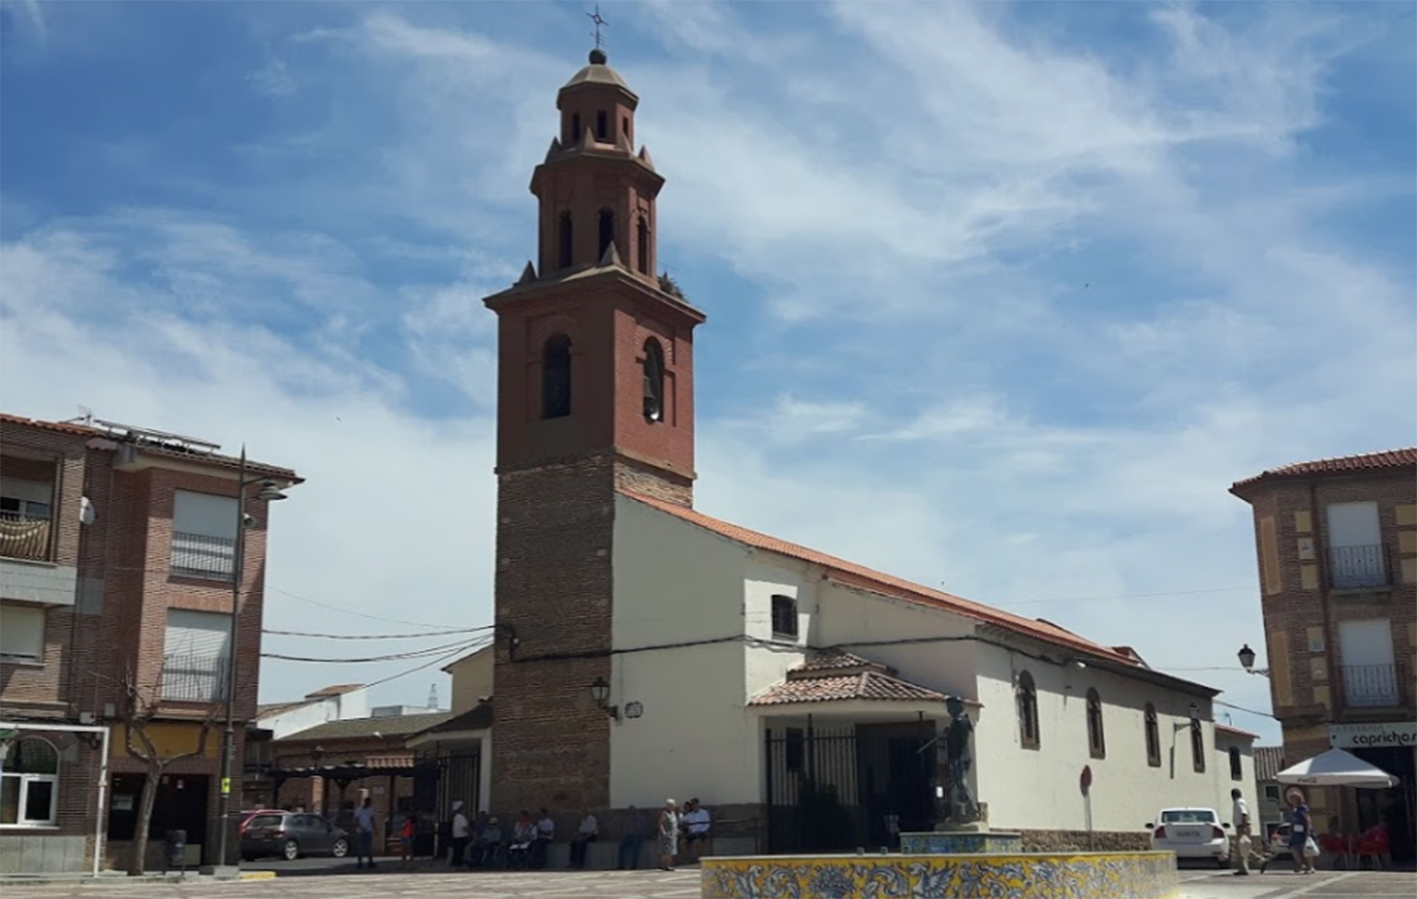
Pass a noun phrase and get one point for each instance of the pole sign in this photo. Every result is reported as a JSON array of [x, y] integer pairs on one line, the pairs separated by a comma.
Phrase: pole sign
[[1392, 734]]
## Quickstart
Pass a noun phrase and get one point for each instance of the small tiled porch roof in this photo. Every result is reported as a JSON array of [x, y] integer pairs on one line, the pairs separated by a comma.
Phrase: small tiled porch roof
[[829, 675], [1269, 761]]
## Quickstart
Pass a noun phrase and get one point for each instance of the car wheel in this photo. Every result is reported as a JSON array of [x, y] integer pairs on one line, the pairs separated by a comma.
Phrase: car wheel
[[340, 849], [291, 850]]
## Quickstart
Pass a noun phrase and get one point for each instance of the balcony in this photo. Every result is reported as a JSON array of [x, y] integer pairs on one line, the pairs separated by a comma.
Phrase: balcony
[[25, 536], [1358, 567], [1371, 686], [187, 678], [206, 558]]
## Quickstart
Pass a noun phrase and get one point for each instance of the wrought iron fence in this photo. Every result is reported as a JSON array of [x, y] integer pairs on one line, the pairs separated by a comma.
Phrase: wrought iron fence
[[187, 678], [1371, 686], [24, 536], [839, 788], [200, 556], [1357, 566]]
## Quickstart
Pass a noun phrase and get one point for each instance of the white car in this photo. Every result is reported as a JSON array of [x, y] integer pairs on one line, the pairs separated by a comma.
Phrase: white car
[[1191, 833]]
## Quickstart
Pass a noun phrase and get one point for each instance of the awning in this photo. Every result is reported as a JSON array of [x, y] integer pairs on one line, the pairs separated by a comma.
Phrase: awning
[[1337, 768]]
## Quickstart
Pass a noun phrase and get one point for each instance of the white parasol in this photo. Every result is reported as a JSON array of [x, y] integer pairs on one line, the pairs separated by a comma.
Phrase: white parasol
[[1337, 768]]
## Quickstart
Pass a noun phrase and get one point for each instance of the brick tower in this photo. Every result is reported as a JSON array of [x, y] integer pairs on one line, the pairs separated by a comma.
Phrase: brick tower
[[595, 393]]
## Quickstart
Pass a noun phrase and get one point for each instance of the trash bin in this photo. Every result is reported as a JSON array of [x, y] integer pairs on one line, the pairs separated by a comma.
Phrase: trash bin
[[174, 853]]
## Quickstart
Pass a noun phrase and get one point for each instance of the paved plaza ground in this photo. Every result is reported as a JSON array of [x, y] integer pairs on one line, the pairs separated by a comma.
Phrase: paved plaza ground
[[439, 883]]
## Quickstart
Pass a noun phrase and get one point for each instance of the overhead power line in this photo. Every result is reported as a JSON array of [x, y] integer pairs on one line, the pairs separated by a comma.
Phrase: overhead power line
[[1035, 602], [443, 633], [391, 657]]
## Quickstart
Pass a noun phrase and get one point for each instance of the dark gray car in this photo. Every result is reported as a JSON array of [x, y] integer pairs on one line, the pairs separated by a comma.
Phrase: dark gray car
[[290, 835]]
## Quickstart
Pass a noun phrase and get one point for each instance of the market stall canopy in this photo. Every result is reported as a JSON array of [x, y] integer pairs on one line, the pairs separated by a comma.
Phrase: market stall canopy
[[1337, 768]]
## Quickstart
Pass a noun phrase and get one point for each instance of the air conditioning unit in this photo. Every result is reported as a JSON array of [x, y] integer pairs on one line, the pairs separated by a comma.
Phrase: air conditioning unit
[[87, 718]]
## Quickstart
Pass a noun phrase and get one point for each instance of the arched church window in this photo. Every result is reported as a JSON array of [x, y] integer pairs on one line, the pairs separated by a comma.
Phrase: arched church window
[[1026, 694], [625, 129], [602, 126], [654, 381], [556, 377], [575, 128], [1153, 737], [1096, 737], [642, 246], [564, 233], [607, 231], [1197, 747]]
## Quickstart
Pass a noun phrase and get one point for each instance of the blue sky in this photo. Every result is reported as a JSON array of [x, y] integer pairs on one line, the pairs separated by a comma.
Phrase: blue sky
[[1000, 297]]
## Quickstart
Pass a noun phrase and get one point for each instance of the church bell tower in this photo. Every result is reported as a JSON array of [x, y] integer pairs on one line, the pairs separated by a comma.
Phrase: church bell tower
[[595, 395]]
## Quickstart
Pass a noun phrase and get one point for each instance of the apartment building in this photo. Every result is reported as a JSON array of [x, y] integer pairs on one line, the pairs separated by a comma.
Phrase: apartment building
[[1336, 542], [118, 550]]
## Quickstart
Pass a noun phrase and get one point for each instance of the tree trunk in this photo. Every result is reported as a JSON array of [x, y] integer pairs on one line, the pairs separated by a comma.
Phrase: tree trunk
[[138, 863]]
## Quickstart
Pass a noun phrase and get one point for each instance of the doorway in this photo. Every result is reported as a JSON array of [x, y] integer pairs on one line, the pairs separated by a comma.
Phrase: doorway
[[1395, 806]]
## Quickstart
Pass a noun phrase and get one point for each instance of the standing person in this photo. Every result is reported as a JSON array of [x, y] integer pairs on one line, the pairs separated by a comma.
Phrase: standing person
[[634, 838], [461, 831], [1301, 831], [406, 833], [668, 835], [586, 834], [364, 838], [1240, 815]]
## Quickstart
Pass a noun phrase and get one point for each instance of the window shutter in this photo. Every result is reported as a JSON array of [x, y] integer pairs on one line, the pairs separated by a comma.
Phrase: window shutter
[[22, 632], [205, 635]]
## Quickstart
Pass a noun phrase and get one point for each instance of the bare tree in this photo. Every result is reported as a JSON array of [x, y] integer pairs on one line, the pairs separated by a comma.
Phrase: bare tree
[[139, 709]]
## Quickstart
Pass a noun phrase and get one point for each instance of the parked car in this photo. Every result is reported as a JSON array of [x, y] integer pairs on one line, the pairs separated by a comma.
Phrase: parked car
[[290, 835], [245, 816], [1191, 833]]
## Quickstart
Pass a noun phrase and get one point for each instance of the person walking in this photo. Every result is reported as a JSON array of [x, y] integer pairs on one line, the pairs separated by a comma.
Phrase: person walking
[[668, 835], [364, 838], [1240, 816], [628, 857], [407, 832], [1301, 833], [462, 829]]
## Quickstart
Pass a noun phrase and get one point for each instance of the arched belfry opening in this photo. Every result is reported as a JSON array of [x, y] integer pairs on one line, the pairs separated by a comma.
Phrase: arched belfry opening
[[642, 246], [564, 235], [556, 377], [607, 232], [654, 381]]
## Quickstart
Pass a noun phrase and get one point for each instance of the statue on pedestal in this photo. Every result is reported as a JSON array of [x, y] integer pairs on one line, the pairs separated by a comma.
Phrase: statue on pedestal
[[963, 808]]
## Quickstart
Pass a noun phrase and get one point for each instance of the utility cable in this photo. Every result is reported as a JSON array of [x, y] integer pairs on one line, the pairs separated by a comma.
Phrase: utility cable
[[444, 633], [391, 657]]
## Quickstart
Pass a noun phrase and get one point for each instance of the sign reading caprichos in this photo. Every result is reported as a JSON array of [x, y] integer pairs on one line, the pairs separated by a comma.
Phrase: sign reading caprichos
[[1372, 736]]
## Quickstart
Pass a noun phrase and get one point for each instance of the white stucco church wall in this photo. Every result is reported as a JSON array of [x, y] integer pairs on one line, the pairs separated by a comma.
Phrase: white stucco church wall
[[675, 584]]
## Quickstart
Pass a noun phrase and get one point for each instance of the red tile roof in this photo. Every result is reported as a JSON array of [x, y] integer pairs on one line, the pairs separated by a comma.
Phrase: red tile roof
[[1364, 463], [865, 578], [1269, 761], [1235, 730], [336, 690], [62, 427], [835, 674]]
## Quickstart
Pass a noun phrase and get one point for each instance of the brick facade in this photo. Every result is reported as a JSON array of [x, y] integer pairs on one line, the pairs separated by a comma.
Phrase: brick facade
[[125, 587], [557, 476], [1304, 610]]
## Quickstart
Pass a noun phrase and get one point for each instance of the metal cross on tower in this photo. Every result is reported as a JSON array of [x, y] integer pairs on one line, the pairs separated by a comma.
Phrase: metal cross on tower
[[599, 23]]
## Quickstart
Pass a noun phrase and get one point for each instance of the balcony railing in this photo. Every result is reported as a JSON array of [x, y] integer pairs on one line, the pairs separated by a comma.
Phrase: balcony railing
[[187, 678], [199, 556], [1357, 566], [24, 536], [1371, 686]]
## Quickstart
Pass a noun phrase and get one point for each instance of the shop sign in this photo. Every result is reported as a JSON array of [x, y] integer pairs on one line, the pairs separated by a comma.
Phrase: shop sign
[[1397, 734]]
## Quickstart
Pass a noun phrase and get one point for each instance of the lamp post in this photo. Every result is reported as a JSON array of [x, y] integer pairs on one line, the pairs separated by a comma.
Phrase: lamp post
[[1193, 717], [269, 492], [600, 692], [1247, 661]]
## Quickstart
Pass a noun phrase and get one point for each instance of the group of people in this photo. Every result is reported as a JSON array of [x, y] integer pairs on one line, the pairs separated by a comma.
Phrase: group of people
[[1302, 841], [482, 842]]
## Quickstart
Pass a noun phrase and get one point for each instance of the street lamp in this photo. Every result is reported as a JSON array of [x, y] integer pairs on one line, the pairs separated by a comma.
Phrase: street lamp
[[269, 492], [1193, 717], [1247, 661], [600, 692]]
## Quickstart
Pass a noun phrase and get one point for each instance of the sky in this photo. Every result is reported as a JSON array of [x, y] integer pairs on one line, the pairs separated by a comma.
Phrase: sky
[[1001, 298]]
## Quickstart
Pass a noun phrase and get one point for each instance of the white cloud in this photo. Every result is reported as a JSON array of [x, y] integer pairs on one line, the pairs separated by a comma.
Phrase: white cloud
[[272, 80]]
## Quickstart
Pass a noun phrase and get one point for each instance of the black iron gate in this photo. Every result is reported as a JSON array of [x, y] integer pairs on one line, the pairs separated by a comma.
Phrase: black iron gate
[[840, 788]]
